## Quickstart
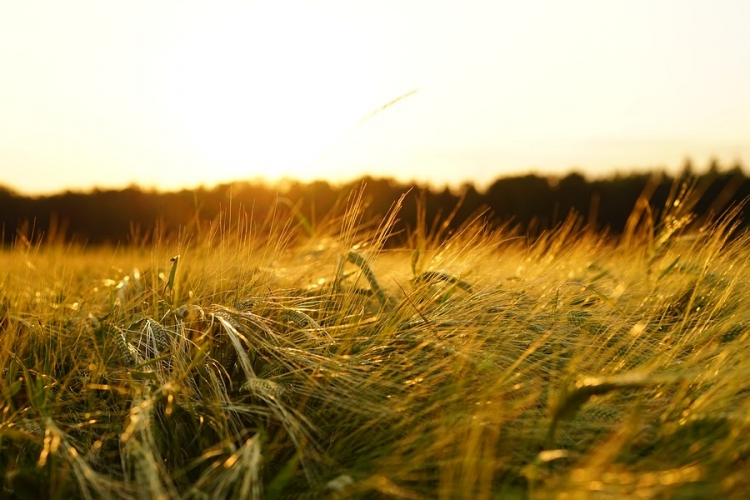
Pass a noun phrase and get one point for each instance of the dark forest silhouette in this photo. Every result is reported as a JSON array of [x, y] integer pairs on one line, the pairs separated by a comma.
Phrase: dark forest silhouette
[[529, 202]]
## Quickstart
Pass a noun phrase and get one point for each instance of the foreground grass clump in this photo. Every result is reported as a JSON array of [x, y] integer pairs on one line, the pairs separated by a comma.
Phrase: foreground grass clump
[[315, 363]]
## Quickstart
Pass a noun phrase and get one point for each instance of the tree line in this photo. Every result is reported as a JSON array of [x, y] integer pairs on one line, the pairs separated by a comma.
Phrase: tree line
[[531, 203]]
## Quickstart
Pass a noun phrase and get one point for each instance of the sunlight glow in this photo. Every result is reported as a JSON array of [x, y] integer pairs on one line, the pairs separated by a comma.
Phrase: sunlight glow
[[266, 98], [178, 93]]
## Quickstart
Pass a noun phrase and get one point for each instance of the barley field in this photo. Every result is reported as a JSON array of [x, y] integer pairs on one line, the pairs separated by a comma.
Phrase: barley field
[[277, 359]]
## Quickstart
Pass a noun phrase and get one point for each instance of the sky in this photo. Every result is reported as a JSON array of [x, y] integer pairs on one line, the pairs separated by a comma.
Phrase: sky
[[175, 94]]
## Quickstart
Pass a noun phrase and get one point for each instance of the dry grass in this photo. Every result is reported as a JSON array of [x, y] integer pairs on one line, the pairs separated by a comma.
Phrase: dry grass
[[319, 364]]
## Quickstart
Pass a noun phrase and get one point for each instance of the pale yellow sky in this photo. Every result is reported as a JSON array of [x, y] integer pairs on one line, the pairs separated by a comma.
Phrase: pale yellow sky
[[175, 94]]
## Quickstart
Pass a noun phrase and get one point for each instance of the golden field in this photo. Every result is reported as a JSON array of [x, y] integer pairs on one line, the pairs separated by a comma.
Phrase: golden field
[[282, 360]]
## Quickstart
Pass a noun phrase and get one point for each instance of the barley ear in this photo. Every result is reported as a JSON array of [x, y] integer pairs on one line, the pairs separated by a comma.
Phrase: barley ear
[[575, 395]]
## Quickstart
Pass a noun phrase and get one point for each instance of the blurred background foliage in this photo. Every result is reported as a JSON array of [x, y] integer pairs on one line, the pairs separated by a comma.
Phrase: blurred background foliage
[[531, 203]]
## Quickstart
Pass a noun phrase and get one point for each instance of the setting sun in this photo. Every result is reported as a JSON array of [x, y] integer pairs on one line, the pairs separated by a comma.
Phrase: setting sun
[[270, 111]]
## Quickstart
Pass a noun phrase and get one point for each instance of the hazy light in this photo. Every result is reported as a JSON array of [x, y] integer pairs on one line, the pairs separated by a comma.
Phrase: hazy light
[[178, 93], [265, 92]]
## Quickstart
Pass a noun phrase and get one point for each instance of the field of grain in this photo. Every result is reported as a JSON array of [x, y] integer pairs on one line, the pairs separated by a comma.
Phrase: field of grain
[[281, 360]]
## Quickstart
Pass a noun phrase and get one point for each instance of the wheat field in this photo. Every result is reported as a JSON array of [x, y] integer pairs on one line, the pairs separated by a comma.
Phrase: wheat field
[[275, 360]]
